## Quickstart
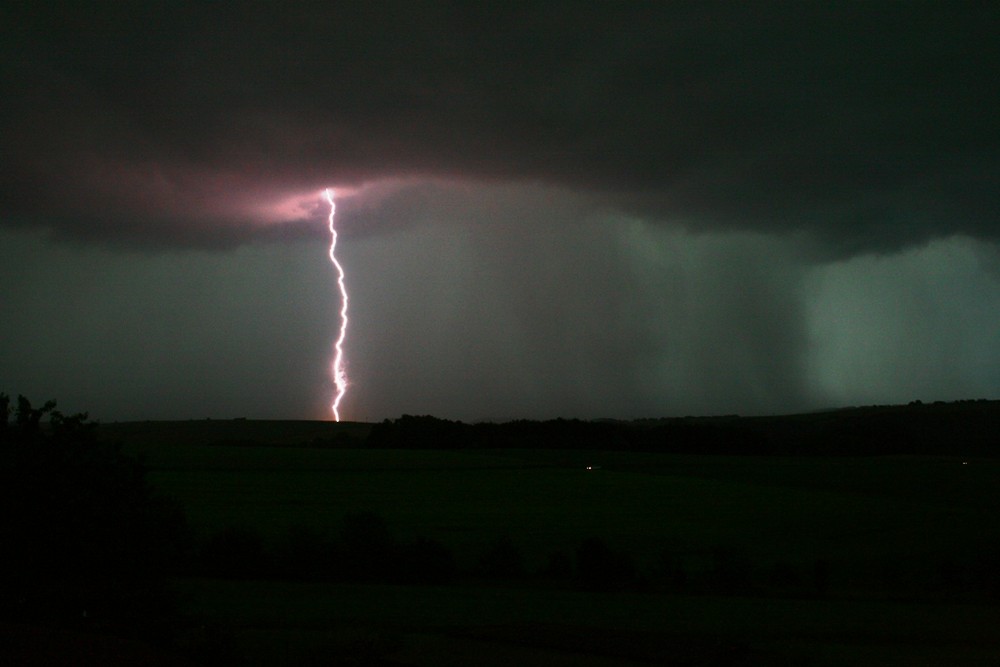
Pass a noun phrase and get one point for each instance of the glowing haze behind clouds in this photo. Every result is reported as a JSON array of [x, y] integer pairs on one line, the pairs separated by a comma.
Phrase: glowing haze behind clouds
[[546, 209]]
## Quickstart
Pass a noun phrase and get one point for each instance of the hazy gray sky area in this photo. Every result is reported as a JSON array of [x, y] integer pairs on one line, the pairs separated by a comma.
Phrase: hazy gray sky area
[[546, 209]]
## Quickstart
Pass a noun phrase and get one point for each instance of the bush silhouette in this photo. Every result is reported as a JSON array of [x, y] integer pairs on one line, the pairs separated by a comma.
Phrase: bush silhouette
[[559, 566], [234, 552], [731, 570], [670, 571], [306, 554], [598, 567], [368, 550], [425, 561], [502, 560], [83, 532]]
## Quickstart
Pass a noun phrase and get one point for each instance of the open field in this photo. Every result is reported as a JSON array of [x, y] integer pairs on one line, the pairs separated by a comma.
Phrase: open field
[[845, 510], [839, 561], [287, 623]]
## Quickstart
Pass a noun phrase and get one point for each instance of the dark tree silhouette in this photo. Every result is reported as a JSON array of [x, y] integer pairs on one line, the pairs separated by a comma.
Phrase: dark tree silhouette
[[83, 534]]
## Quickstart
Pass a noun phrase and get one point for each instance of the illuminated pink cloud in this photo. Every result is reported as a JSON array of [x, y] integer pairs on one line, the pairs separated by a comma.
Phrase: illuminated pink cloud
[[814, 118]]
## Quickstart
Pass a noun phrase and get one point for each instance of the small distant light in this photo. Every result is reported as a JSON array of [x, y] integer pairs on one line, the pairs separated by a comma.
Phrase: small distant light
[[590, 467], [965, 463]]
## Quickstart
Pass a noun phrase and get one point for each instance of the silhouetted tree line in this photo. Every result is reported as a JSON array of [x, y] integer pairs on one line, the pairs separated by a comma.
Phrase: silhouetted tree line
[[962, 427], [83, 534], [363, 550], [426, 432]]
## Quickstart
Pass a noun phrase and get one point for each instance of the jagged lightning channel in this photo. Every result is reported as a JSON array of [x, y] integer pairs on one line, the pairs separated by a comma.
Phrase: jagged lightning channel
[[338, 369]]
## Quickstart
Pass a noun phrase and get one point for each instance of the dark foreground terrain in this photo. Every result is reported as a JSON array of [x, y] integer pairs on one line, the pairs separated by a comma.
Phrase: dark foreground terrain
[[724, 541]]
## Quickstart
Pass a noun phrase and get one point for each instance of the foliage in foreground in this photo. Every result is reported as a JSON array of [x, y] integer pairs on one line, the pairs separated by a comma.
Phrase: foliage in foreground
[[84, 535], [363, 551]]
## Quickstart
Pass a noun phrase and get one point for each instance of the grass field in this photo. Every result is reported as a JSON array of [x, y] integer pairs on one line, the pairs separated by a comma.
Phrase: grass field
[[281, 623], [777, 509], [891, 533]]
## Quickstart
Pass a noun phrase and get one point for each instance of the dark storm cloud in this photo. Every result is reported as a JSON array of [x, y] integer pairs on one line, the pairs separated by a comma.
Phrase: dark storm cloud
[[870, 124]]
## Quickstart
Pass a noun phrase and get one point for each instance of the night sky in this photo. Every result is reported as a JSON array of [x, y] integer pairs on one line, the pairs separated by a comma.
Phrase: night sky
[[574, 209]]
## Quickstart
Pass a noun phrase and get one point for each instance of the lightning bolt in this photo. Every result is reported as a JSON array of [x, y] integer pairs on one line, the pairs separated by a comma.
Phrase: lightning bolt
[[338, 370]]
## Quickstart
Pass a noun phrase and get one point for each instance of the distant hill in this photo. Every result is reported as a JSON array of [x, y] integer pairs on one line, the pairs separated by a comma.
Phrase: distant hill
[[960, 428], [238, 432]]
